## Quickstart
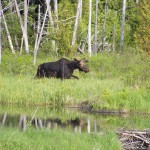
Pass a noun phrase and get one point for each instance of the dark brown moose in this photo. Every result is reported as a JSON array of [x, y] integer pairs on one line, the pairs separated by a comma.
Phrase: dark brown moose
[[63, 68]]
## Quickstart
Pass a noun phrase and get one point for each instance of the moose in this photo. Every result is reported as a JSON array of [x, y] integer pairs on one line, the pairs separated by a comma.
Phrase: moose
[[63, 68]]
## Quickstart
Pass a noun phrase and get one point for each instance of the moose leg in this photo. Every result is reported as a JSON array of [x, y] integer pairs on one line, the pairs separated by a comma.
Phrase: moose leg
[[75, 77]]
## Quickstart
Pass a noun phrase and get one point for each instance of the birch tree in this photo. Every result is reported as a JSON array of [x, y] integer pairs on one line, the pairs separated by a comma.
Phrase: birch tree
[[104, 25], [122, 25], [95, 34], [0, 31], [25, 23], [8, 34], [37, 36], [76, 24], [56, 11], [40, 36], [89, 27], [22, 28]]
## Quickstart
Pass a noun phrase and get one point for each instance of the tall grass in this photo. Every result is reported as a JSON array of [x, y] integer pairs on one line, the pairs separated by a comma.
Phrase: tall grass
[[114, 82], [56, 139]]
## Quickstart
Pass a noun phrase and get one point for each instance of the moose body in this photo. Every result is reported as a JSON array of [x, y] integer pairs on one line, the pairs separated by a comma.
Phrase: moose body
[[62, 68]]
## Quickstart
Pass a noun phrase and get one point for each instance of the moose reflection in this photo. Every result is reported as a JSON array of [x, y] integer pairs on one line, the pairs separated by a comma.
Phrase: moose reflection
[[24, 122]]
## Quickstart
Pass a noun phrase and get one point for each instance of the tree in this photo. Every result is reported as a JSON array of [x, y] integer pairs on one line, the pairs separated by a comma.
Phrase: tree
[[22, 27], [76, 23], [122, 24], [95, 34], [89, 28]]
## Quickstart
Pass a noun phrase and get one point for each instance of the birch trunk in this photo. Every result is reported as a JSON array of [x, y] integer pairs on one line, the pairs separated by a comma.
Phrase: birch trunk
[[50, 14], [8, 34], [0, 31], [80, 15], [26, 21], [40, 36], [89, 28], [56, 12], [76, 25], [104, 25], [95, 35], [51, 23], [122, 25], [22, 28], [37, 35]]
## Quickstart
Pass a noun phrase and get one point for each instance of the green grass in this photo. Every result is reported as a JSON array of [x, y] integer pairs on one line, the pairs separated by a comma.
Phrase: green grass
[[56, 139], [114, 82]]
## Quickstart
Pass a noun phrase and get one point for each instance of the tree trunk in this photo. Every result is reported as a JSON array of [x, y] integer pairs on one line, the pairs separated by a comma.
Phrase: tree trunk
[[104, 25], [37, 36], [25, 23], [89, 28], [22, 28], [56, 12], [50, 14], [0, 31], [95, 35], [8, 34], [122, 25], [80, 15], [40, 36], [76, 25]]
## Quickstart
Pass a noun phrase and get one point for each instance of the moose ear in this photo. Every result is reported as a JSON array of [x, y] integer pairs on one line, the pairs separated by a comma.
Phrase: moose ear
[[75, 59], [84, 60]]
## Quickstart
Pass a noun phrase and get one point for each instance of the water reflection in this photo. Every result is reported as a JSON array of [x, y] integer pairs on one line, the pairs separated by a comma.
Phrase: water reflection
[[23, 122], [47, 118]]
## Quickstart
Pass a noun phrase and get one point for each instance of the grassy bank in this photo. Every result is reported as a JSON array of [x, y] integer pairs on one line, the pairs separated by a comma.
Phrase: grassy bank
[[56, 139], [114, 82]]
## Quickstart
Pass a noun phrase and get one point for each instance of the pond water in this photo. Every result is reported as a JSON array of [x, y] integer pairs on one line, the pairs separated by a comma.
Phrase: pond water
[[71, 119]]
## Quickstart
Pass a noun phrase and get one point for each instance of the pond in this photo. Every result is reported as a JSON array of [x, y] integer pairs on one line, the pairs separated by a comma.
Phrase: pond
[[71, 119]]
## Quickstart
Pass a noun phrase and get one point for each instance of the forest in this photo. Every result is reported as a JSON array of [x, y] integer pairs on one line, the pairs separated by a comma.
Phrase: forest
[[67, 27]]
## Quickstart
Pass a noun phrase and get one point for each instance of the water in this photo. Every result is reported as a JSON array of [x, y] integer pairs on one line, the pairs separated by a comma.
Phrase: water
[[71, 119]]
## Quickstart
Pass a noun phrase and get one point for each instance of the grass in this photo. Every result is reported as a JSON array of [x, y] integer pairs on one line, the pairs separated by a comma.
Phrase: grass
[[114, 82], [56, 139]]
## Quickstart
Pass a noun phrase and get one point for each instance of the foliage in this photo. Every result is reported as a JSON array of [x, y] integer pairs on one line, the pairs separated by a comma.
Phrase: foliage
[[143, 30], [66, 15]]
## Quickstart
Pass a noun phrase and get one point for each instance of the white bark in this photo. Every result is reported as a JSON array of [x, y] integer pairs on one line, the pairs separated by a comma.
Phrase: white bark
[[76, 25], [80, 15], [37, 36], [89, 27], [95, 35], [50, 14], [40, 36], [122, 24], [104, 25], [8, 35], [22, 28], [56, 12], [25, 22]]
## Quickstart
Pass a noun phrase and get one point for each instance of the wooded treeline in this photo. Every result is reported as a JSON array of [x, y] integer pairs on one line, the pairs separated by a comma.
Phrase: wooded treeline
[[63, 27]]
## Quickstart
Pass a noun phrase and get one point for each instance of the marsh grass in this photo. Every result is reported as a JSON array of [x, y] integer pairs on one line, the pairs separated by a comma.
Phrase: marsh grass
[[56, 139], [114, 82]]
